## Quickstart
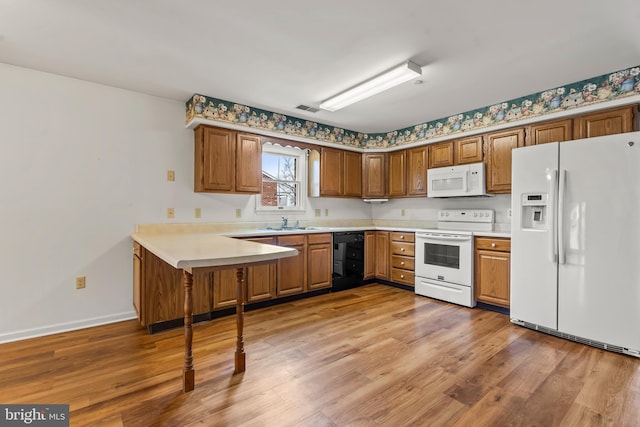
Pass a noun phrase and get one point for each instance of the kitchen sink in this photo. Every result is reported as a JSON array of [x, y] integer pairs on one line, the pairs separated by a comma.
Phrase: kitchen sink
[[291, 228]]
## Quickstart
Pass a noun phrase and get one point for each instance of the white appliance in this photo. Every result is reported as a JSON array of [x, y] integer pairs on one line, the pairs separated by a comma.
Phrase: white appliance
[[444, 256], [575, 244], [456, 181]]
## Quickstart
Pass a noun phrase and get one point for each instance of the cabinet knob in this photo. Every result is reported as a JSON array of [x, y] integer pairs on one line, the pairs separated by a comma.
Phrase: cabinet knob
[[402, 276], [401, 249], [402, 237], [493, 245], [401, 262]]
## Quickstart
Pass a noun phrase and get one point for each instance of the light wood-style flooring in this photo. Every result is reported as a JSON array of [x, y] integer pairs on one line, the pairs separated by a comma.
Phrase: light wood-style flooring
[[372, 356]]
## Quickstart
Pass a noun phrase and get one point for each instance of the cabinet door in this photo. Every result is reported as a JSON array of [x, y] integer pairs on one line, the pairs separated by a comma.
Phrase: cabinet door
[[417, 171], [374, 179], [215, 154], [319, 265], [331, 172], [397, 173], [468, 150], [261, 279], [557, 130], [498, 158], [492, 271], [138, 280], [610, 122], [382, 255], [291, 273], [441, 154], [352, 174], [225, 288], [369, 254], [248, 163], [202, 292]]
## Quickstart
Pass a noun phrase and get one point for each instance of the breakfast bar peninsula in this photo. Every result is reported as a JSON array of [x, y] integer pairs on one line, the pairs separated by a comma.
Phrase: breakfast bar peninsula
[[204, 252]]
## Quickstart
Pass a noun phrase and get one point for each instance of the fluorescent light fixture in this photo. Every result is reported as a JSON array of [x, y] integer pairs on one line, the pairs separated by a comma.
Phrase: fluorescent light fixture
[[390, 78]]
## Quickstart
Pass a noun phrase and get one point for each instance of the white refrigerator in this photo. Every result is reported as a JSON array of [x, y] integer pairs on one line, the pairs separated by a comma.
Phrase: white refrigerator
[[575, 244]]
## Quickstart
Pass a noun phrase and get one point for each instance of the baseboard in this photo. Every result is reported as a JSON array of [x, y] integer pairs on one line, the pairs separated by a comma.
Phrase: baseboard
[[65, 327]]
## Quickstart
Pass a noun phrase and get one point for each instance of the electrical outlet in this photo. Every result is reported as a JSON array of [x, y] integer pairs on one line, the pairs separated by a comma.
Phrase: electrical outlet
[[171, 213], [401, 212], [509, 213], [197, 213], [171, 176], [326, 212], [238, 212], [81, 282], [318, 212]]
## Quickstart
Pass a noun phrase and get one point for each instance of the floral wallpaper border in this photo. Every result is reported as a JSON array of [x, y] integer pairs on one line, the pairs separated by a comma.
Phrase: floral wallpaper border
[[603, 88]]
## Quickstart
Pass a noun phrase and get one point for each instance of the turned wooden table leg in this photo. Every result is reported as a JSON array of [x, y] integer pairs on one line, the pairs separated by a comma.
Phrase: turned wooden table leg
[[240, 355], [188, 374]]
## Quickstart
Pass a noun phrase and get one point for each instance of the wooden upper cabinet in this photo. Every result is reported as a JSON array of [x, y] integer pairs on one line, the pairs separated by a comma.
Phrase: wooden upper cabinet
[[374, 175], [331, 176], [468, 150], [340, 173], [226, 161], [557, 130], [610, 122], [417, 171], [441, 154], [352, 174], [248, 161], [397, 173], [498, 147]]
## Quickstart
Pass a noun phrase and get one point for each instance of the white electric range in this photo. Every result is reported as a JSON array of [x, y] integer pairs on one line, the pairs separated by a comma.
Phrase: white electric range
[[444, 256]]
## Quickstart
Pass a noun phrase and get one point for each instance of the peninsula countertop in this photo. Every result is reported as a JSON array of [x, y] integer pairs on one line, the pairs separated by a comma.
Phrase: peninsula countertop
[[194, 250]]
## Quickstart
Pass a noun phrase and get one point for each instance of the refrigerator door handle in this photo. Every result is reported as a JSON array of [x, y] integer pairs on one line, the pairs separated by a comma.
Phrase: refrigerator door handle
[[560, 216], [553, 191]]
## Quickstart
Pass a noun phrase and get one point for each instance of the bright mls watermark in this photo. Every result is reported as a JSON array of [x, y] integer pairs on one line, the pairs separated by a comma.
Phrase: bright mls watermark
[[34, 415]]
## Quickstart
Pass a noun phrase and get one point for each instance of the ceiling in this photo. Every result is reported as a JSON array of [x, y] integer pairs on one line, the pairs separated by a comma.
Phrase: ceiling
[[276, 55]]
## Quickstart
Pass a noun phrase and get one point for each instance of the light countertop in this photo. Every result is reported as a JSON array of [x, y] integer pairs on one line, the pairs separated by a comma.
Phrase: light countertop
[[193, 250]]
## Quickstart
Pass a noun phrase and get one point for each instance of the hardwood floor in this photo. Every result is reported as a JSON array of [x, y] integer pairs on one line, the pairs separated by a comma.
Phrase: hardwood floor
[[373, 356]]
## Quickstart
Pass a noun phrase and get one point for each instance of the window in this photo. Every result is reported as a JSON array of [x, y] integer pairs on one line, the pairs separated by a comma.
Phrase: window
[[283, 179]]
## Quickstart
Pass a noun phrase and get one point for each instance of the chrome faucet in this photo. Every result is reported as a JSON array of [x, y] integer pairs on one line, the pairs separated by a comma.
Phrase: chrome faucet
[[285, 222]]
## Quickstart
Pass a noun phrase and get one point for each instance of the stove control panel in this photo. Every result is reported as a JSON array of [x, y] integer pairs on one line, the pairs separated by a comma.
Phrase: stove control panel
[[466, 215]]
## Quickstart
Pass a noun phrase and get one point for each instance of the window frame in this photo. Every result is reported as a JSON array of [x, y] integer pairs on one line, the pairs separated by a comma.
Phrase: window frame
[[301, 177]]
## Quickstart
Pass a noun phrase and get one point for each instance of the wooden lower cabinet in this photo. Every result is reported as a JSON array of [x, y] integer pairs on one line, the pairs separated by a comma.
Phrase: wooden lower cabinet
[[225, 288], [369, 255], [319, 256], [402, 250], [291, 272], [382, 255], [158, 291], [492, 271], [261, 279]]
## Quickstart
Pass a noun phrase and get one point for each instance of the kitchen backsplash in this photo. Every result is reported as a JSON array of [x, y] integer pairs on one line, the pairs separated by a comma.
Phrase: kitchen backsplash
[[607, 87]]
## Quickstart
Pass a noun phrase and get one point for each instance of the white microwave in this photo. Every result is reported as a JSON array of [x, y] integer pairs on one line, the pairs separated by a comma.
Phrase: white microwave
[[456, 181]]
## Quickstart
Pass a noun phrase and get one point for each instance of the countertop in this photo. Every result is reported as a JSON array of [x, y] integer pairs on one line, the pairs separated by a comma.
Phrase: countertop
[[193, 250]]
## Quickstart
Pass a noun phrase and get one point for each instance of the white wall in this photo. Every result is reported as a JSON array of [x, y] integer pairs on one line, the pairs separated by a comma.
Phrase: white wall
[[425, 209], [81, 164]]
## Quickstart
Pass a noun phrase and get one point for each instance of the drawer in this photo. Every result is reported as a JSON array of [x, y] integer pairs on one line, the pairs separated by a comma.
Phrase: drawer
[[403, 262], [493, 244], [402, 248], [295, 240], [402, 237], [265, 240], [319, 238], [402, 276]]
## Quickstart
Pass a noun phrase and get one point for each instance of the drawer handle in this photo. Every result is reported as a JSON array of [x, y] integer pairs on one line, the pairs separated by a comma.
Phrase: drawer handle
[[401, 249], [402, 276], [493, 245], [402, 236], [401, 262]]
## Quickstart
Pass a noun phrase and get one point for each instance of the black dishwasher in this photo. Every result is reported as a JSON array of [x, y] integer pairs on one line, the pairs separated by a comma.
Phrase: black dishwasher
[[348, 260]]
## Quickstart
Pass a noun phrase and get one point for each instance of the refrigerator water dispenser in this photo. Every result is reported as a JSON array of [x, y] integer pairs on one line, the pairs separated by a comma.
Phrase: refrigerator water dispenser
[[534, 211]]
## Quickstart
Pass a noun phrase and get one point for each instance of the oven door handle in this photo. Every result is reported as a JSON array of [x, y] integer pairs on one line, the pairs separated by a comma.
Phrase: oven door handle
[[445, 238]]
